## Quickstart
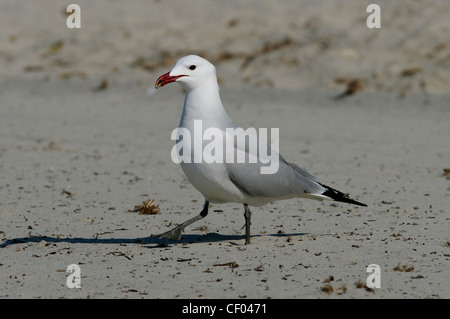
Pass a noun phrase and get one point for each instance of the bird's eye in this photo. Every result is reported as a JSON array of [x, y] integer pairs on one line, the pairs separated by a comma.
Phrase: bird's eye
[[192, 67]]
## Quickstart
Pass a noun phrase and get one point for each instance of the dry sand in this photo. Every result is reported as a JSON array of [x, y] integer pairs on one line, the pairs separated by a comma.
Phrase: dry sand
[[81, 145]]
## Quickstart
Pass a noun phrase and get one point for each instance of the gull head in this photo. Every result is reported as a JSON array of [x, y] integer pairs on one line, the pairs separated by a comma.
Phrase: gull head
[[190, 71]]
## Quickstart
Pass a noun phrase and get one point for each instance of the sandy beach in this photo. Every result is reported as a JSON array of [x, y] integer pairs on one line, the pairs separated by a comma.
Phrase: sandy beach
[[367, 111]]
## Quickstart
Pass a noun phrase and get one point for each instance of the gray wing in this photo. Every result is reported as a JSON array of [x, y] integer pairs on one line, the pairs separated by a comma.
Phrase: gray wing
[[288, 181]]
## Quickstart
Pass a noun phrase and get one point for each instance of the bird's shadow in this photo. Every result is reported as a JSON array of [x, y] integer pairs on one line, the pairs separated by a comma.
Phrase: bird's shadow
[[151, 241]]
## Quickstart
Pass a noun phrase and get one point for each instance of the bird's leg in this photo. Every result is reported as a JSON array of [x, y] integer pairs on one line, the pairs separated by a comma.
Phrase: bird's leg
[[175, 233], [247, 215]]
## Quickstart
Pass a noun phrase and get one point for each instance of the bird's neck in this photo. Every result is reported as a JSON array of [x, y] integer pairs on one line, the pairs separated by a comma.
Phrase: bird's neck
[[204, 103]]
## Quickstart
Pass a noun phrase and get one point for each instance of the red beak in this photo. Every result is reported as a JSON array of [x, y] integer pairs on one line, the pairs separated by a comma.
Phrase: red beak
[[166, 79]]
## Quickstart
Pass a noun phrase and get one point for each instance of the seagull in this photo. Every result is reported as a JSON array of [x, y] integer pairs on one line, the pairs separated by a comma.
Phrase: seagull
[[231, 181]]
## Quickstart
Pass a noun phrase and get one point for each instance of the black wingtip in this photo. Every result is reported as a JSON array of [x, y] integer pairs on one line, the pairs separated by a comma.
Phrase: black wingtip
[[339, 196]]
